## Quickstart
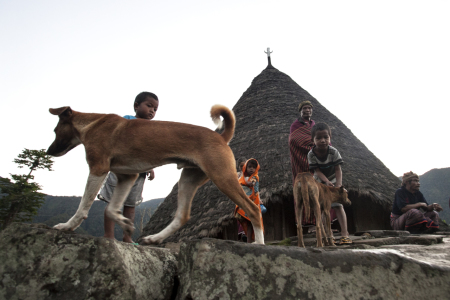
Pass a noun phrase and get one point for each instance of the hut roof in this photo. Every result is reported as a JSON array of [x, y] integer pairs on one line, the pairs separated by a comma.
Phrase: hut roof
[[264, 114]]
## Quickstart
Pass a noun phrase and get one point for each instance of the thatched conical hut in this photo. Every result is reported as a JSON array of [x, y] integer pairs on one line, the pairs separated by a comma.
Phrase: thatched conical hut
[[264, 114]]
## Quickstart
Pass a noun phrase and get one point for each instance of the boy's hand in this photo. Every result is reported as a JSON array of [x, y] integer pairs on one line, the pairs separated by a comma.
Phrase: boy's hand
[[329, 183], [151, 175], [251, 183]]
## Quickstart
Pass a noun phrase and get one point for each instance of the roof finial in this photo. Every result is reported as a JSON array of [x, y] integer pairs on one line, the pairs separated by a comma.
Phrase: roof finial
[[268, 57]]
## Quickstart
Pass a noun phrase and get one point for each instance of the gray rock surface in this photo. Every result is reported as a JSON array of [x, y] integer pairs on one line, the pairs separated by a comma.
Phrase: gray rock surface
[[216, 269], [38, 262]]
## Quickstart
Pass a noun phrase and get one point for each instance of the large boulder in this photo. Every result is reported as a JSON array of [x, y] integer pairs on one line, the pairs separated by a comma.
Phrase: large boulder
[[38, 262], [217, 269]]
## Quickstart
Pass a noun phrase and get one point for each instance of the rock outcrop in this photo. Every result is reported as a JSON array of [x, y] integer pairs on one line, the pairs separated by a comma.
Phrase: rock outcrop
[[38, 262], [216, 269]]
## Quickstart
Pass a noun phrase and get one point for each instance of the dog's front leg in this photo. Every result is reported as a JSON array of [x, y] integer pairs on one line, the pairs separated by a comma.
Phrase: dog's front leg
[[93, 185], [191, 179]]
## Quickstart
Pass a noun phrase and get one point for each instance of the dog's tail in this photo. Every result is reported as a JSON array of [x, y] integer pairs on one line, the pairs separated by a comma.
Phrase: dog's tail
[[228, 118], [305, 195]]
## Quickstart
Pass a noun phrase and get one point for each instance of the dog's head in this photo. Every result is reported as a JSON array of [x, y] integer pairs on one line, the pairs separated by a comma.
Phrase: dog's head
[[343, 197], [66, 138]]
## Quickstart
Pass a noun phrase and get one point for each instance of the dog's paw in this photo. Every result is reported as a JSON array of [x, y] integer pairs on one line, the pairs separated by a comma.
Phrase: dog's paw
[[62, 226], [127, 226], [150, 240], [128, 230]]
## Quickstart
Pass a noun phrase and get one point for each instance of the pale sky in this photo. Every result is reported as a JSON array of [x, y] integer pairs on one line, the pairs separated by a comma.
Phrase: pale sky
[[382, 67]]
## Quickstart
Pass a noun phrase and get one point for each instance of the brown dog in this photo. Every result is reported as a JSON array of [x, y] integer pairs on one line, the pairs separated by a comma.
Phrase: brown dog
[[312, 194], [128, 147]]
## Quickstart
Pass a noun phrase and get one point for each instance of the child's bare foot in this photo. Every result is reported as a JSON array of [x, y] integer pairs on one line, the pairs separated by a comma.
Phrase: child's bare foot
[[127, 239]]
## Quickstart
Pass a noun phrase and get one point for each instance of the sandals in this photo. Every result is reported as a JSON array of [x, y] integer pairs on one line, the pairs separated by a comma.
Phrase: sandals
[[345, 241]]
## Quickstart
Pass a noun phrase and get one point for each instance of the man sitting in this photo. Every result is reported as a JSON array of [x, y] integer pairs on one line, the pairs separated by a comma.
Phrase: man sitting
[[407, 211]]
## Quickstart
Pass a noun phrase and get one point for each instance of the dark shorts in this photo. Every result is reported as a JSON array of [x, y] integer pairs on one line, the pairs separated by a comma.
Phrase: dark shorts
[[133, 199]]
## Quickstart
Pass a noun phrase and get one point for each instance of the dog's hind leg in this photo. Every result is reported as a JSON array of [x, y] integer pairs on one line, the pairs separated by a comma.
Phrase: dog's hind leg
[[299, 203], [300, 242], [93, 185], [230, 186], [191, 179], [237, 195], [318, 214], [328, 234], [124, 184]]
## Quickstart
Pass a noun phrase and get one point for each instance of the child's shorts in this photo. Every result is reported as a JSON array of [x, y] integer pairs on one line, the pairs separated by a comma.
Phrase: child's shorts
[[133, 199], [334, 205]]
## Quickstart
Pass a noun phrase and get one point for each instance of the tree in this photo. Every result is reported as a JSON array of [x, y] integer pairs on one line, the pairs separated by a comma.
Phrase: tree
[[20, 198]]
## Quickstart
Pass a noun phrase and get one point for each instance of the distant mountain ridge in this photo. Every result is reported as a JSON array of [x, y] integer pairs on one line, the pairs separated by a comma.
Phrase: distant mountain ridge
[[59, 209], [435, 186]]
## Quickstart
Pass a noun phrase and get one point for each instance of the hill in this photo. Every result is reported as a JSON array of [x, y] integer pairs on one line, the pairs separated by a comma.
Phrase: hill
[[59, 209], [435, 186]]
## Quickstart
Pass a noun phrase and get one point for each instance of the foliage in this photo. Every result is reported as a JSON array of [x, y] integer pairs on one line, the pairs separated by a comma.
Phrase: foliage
[[34, 159], [20, 198]]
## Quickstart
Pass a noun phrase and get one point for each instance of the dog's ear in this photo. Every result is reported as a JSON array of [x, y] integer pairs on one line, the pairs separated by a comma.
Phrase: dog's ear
[[342, 189], [62, 111]]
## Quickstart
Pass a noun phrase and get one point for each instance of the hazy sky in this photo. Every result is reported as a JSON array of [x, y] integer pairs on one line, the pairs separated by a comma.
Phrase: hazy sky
[[382, 67]]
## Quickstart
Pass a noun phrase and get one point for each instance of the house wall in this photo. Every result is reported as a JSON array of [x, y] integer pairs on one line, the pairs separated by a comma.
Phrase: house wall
[[366, 214], [229, 232], [279, 221]]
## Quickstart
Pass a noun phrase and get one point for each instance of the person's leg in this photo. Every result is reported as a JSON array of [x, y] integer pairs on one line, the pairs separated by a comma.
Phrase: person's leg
[[108, 226], [432, 218], [250, 232], [342, 219], [241, 232], [413, 221], [128, 212]]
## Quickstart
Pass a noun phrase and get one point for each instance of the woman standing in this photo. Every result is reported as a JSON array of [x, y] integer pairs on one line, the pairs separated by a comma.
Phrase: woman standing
[[300, 143]]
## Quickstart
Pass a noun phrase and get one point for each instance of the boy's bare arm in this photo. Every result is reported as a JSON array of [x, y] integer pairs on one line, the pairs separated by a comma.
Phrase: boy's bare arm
[[338, 172], [414, 206], [322, 177]]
